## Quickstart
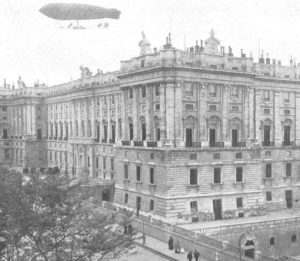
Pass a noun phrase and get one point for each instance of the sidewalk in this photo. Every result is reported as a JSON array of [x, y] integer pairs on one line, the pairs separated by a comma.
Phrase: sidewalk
[[162, 247]]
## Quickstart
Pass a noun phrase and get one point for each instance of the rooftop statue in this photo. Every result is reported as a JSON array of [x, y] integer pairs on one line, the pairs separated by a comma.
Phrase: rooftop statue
[[144, 45], [211, 44], [85, 72]]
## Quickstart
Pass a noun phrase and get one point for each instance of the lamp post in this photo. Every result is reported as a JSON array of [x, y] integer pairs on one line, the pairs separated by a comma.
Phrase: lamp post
[[240, 245]]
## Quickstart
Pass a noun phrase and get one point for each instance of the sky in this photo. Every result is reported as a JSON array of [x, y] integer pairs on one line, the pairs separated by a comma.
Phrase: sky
[[37, 48]]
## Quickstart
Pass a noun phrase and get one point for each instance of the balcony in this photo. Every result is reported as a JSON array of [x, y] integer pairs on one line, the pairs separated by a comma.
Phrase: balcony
[[239, 144], [138, 143], [152, 144], [218, 144], [196, 144], [268, 143], [126, 142], [288, 143], [192, 187]]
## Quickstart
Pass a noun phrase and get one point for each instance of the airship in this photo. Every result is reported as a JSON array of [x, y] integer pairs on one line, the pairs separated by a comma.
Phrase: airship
[[77, 12]]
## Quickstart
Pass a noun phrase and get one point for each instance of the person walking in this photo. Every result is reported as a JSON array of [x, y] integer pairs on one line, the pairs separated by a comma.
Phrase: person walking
[[196, 255], [190, 256], [177, 247], [170, 243]]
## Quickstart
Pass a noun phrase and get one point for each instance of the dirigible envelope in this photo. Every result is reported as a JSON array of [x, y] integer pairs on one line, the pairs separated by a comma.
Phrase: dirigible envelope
[[63, 11]]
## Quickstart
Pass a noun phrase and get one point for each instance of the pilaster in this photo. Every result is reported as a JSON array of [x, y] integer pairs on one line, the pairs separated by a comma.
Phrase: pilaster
[[297, 112], [277, 124]]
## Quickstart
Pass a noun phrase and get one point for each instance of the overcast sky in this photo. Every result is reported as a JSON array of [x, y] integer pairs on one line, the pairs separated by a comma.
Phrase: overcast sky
[[35, 47]]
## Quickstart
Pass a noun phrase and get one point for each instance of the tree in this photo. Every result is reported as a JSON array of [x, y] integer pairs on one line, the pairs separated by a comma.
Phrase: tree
[[52, 221]]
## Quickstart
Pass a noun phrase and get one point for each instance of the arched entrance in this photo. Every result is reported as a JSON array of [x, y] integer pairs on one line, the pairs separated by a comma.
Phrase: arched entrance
[[248, 245]]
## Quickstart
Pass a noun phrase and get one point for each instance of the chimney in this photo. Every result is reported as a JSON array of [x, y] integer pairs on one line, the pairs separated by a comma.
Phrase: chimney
[[268, 60], [274, 62], [201, 47], [279, 62], [155, 50], [261, 59]]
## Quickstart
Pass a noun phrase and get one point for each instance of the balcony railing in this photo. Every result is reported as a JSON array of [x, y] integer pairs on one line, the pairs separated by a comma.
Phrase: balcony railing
[[239, 144], [196, 144], [152, 144], [126, 142], [138, 143], [288, 143], [268, 143], [111, 140], [103, 140]]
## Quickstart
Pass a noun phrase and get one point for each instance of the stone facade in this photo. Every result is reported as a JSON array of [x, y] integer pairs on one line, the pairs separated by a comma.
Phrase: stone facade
[[198, 133]]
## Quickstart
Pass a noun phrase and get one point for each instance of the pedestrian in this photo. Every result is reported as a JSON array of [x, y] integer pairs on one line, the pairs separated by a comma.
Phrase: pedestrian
[[196, 255], [170, 243], [177, 247], [130, 230], [190, 256]]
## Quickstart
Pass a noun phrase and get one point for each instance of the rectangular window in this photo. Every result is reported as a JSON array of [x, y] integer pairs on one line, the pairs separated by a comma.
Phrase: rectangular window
[[126, 198], [217, 175], [286, 112], [4, 108], [157, 107], [193, 177], [234, 92], [267, 111], [188, 89], [212, 107], [216, 156], [272, 241], [157, 90], [213, 91], [269, 196], [125, 171], [238, 155], [239, 174], [152, 155], [288, 169], [193, 156], [151, 207], [266, 95], [194, 206], [39, 134], [138, 173], [189, 107], [112, 99], [97, 163], [104, 163], [268, 171], [239, 202], [4, 132], [6, 154], [130, 93], [112, 164], [235, 108], [143, 91], [151, 175], [286, 98]]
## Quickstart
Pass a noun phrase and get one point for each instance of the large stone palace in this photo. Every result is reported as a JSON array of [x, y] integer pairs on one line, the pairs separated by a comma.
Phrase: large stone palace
[[197, 133]]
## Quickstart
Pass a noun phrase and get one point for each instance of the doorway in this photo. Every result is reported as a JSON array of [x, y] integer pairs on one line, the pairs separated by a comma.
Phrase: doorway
[[234, 138], [217, 206], [250, 249], [188, 137], [289, 198], [287, 137], [212, 137], [106, 195], [267, 131]]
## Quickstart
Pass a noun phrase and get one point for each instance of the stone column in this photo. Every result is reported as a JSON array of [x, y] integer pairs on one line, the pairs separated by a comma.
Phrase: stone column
[[33, 119], [178, 114], [109, 116], [170, 113], [277, 133], [202, 115], [251, 113], [297, 123], [148, 111], [117, 104], [225, 107], [257, 134], [162, 93], [135, 109], [93, 118], [124, 115], [101, 117]]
